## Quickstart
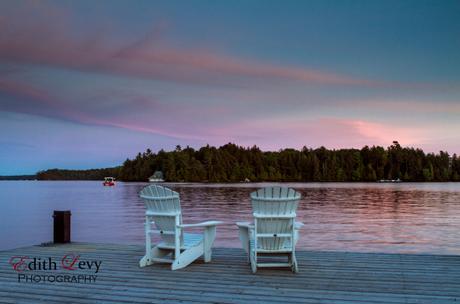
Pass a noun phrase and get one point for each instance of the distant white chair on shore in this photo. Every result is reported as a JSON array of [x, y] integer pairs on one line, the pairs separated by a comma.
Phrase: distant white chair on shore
[[274, 231], [178, 248]]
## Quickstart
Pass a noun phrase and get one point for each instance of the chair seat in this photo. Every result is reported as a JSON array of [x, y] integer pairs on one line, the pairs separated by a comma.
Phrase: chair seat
[[164, 213], [190, 240]]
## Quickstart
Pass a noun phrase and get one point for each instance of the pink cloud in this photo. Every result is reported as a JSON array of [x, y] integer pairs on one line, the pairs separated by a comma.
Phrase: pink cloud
[[137, 113], [273, 134], [410, 105], [188, 122], [46, 37], [384, 134], [25, 98]]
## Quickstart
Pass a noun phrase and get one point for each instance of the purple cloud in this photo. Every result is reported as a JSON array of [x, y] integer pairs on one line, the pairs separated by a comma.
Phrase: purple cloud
[[48, 38]]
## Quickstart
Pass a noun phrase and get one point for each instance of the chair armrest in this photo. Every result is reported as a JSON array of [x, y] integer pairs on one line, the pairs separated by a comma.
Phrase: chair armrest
[[245, 224], [244, 231], [298, 225], [203, 224]]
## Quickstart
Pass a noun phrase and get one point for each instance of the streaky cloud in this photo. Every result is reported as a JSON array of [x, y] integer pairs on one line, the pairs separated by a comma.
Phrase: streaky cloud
[[24, 98], [55, 43]]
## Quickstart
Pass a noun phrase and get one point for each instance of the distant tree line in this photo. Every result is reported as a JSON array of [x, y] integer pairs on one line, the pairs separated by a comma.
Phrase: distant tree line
[[91, 174], [232, 163], [18, 177]]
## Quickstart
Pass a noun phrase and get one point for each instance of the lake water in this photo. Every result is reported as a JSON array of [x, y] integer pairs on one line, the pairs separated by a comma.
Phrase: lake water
[[405, 217]]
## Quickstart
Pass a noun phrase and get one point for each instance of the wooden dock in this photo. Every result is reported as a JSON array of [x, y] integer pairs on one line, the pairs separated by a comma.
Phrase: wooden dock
[[325, 277]]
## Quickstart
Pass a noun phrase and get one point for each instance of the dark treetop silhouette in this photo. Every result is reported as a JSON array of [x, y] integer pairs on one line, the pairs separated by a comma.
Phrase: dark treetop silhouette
[[232, 163]]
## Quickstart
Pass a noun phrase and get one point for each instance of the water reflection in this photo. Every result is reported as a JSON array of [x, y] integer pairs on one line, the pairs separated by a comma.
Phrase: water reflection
[[422, 218]]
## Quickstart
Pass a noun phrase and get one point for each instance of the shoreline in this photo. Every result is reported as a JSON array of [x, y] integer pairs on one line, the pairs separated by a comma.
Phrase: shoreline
[[240, 183]]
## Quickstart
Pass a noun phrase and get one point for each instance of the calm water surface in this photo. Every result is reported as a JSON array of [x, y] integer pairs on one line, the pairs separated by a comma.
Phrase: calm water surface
[[423, 218]]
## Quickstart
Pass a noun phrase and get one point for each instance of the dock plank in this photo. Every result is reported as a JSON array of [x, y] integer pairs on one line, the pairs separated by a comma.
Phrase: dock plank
[[325, 277]]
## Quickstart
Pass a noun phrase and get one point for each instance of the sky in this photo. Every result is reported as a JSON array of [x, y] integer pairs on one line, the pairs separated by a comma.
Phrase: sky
[[87, 84]]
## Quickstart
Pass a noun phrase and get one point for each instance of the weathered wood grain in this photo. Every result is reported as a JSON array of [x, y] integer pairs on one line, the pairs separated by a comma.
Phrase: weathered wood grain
[[325, 277]]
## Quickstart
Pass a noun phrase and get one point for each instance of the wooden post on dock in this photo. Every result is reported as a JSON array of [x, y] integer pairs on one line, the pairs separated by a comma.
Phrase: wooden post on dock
[[61, 231]]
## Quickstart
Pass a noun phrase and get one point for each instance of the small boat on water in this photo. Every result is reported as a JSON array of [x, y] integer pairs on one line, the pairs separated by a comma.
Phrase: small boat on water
[[390, 181], [109, 181]]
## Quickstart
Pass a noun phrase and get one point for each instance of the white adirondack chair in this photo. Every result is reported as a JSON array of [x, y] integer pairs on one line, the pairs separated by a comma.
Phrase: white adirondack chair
[[274, 231], [176, 247]]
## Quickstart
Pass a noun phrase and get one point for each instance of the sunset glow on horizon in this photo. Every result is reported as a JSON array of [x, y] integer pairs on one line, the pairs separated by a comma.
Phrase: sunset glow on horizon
[[88, 84]]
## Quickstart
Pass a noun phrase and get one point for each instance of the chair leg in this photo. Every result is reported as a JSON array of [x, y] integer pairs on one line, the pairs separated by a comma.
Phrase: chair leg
[[187, 257], [243, 233], [208, 240], [147, 259], [249, 249], [294, 266], [253, 261], [155, 252]]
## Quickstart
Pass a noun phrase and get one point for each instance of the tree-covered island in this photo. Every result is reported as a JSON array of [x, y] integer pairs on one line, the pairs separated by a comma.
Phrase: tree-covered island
[[232, 163]]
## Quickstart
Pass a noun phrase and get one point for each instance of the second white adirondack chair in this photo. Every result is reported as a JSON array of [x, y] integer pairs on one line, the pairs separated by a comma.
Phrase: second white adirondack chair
[[178, 248], [274, 231]]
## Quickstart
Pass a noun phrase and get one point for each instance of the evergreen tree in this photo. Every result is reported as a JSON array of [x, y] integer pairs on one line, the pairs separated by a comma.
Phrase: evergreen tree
[[232, 163]]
